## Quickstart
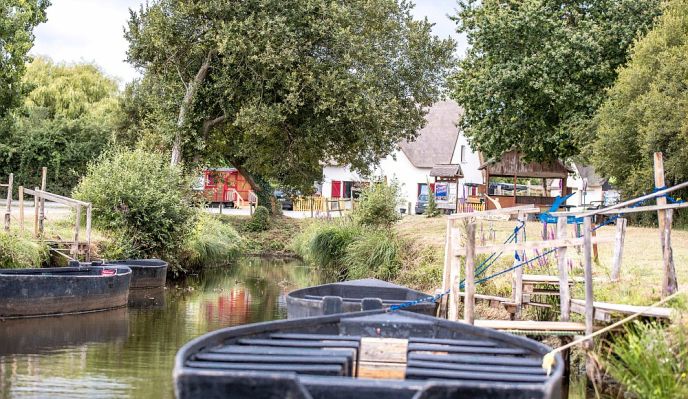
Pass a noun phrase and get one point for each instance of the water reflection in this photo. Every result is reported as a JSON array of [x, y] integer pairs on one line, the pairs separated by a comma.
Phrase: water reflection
[[129, 353]]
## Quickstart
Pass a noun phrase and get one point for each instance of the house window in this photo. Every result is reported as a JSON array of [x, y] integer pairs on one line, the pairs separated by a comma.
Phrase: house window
[[463, 154], [348, 186]]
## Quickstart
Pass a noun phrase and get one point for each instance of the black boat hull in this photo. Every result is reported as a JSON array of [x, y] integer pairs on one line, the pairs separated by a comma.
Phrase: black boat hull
[[145, 273], [63, 290], [280, 359], [312, 301]]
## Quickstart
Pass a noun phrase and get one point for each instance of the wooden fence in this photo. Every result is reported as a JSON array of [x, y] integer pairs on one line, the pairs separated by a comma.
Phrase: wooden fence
[[323, 205]]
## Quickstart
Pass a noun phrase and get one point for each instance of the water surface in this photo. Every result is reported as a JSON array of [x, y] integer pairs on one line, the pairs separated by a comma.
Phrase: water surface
[[129, 353]]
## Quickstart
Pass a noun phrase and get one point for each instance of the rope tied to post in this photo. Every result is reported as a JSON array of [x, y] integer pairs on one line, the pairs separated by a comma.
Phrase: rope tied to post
[[548, 360]]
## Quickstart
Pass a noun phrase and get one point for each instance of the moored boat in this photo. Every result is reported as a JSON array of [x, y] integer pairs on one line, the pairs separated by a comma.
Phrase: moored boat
[[62, 290], [375, 354], [145, 273], [354, 296]]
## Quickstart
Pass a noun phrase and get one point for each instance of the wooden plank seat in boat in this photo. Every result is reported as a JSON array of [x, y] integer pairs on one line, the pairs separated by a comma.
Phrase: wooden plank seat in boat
[[298, 343], [421, 347], [315, 369], [388, 301], [316, 337], [479, 359], [422, 373]]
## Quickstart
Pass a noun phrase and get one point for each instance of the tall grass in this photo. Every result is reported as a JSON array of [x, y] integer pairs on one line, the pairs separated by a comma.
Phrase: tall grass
[[374, 253], [18, 251], [211, 242], [651, 361], [325, 243]]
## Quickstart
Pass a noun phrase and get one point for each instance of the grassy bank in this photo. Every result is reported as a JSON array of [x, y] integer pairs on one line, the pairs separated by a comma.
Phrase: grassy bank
[[275, 241]]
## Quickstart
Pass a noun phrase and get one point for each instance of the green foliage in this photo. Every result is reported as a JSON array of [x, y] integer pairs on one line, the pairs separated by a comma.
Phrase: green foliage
[[138, 195], [211, 242], [651, 361], [289, 80], [422, 267], [17, 20], [324, 243], [431, 210], [536, 70], [260, 220], [374, 253], [18, 251], [378, 205], [646, 109], [66, 121]]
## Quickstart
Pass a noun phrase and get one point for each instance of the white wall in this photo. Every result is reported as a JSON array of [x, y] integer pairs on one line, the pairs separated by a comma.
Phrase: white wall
[[337, 173], [407, 175], [470, 165]]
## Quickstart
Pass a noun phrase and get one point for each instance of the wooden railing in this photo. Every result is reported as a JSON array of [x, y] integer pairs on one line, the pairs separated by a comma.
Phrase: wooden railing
[[323, 205], [468, 207]]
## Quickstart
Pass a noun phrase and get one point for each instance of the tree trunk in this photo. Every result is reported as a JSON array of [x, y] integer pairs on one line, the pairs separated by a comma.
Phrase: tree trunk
[[191, 89]]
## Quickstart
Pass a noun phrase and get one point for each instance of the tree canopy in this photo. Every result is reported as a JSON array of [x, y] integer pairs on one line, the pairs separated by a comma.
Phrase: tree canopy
[[277, 87], [66, 120], [17, 20], [647, 107], [536, 70]]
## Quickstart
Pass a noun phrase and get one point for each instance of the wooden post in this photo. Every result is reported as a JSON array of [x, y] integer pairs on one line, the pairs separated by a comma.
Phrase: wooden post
[[35, 214], [8, 214], [564, 293], [310, 201], [454, 279], [41, 218], [587, 259], [446, 272], [517, 282], [327, 207], [88, 232], [669, 284], [21, 208], [469, 300], [595, 253], [77, 226], [618, 247]]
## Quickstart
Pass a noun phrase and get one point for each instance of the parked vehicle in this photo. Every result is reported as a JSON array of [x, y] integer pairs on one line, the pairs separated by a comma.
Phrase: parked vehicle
[[421, 204], [284, 200], [375, 354]]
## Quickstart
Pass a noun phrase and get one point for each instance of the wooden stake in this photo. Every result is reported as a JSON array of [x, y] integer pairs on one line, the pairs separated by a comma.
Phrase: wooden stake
[[595, 253], [41, 218], [77, 226], [8, 214], [564, 293], [35, 215], [454, 279], [469, 302], [446, 272], [327, 207], [517, 283], [21, 208], [587, 256], [88, 232], [669, 276], [618, 247], [670, 284]]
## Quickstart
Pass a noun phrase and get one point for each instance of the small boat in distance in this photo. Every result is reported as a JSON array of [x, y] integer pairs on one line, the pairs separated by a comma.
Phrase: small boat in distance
[[145, 273], [375, 354], [354, 296], [62, 290]]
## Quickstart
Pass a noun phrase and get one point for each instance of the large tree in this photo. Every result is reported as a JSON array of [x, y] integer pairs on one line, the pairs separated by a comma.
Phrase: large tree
[[17, 20], [276, 87], [647, 108], [536, 70], [65, 121]]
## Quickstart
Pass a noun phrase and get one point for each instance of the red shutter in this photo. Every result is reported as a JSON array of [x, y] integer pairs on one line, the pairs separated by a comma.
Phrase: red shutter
[[336, 189]]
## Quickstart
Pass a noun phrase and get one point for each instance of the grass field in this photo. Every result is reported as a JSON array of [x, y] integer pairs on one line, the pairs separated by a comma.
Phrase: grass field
[[641, 271]]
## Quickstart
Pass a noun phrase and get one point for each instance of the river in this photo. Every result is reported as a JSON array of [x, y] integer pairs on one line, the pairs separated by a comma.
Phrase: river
[[129, 353]]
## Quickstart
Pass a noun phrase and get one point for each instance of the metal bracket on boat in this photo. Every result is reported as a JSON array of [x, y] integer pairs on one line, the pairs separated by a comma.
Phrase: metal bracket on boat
[[371, 304], [331, 305]]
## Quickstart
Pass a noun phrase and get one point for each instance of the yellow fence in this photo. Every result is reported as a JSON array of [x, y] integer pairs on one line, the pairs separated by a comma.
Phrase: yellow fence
[[321, 204], [468, 207]]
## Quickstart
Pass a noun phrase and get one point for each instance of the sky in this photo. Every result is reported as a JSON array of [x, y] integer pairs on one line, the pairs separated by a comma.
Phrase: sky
[[92, 31]]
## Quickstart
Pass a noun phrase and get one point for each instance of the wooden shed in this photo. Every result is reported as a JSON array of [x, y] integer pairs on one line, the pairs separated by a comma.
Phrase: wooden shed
[[511, 166]]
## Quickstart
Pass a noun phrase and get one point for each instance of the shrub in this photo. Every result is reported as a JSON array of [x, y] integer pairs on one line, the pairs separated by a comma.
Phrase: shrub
[[651, 361], [260, 221], [17, 251], [431, 210], [211, 243], [144, 200], [375, 253], [378, 205], [325, 244]]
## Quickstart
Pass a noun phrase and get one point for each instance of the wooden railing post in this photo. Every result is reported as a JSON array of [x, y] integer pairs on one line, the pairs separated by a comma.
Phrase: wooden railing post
[[41, 218], [36, 215], [564, 294], [669, 283], [21, 208], [454, 276], [469, 300], [8, 214], [587, 259], [88, 232], [77, 226], [618, 247], [517, 286]]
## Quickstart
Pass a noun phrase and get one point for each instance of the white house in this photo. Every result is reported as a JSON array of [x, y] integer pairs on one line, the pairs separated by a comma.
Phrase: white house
[[439, 145]]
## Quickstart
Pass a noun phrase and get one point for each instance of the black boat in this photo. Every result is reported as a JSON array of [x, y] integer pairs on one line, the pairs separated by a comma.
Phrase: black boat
[[145, 273], [62, 290], [147, 298], [375, 354], [354, 296]]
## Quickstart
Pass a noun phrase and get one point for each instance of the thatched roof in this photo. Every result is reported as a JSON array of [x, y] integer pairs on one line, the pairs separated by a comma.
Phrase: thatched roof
[[588, 172], [435, 142], [446, 170], [510, 164]]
